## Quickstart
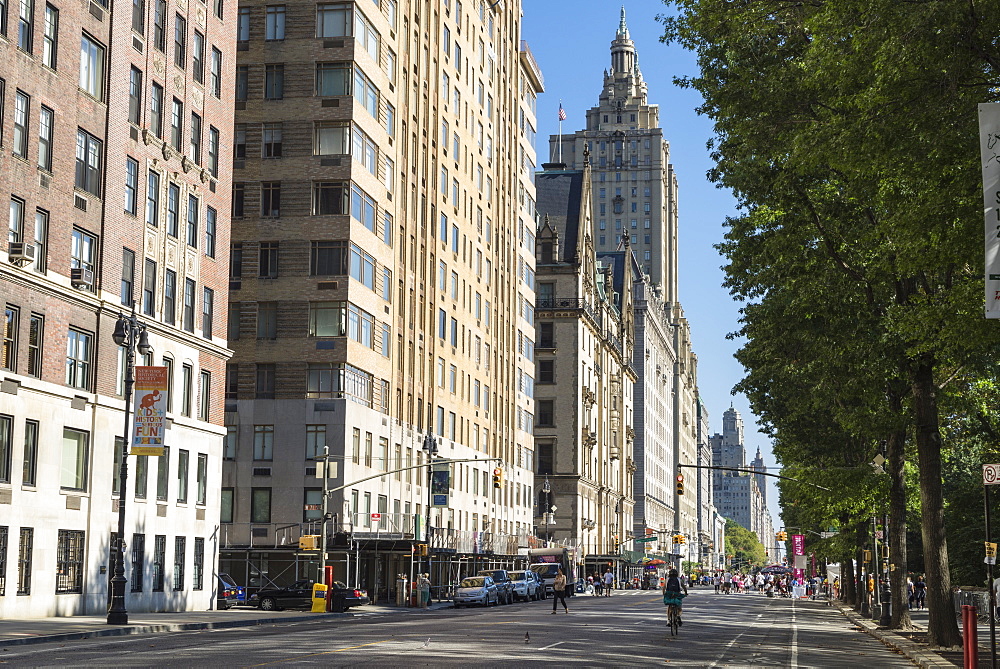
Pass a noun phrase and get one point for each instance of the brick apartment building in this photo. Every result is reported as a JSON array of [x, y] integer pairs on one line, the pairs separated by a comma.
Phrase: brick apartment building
[[382, 282], [115, 146]]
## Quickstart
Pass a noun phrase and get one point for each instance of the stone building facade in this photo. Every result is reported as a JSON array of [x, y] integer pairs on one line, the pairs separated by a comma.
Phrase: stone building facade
[[115, 122], [382, 284]]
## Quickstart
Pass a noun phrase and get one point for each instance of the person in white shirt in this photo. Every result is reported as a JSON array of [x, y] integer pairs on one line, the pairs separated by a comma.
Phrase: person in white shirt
[[609, 582]]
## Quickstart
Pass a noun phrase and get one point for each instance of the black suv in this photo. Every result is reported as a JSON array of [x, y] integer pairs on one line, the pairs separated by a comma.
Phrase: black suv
[[505, 586]]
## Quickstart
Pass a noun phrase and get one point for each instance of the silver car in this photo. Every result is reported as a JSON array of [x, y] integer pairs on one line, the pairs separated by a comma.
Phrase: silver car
[[526, 585], [476, 590]]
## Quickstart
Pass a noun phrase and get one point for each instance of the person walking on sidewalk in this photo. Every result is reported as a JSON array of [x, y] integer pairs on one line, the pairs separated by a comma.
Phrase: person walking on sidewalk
[[424, 585], [609, 582], [559, 592]]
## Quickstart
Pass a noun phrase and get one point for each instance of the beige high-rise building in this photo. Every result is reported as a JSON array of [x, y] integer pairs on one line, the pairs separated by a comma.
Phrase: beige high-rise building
[[382, 286]]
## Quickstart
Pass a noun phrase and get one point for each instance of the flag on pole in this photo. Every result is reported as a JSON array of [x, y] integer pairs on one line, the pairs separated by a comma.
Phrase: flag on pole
[[562, 113]]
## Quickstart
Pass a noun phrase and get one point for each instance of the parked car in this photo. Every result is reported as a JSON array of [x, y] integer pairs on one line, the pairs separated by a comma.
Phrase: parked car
[[504, 585], [476, 590], [526, 585], [228, 593], [299, 595]]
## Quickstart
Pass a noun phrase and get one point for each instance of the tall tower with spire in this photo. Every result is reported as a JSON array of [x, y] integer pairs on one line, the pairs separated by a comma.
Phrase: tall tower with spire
[[635, 188]]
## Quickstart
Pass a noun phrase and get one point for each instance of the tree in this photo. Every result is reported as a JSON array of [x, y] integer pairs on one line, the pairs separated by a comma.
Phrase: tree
[[848, 127], [744, 545]]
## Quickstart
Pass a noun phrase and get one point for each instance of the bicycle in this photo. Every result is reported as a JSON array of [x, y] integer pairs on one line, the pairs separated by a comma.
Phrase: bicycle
[[673, 601]]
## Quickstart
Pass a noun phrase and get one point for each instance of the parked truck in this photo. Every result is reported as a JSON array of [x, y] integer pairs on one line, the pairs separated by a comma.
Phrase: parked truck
[[546, 562]]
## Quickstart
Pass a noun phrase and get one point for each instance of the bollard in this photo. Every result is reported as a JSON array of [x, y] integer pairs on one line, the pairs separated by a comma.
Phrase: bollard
[[970, 642]]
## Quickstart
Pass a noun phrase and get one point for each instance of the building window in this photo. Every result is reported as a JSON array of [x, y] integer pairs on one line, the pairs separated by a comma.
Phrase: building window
[[75, 447], [15, 219], [334, 20], [180, 548], [50, 37], [267, 320], [198, 57], [46, 122], [88, 162], [177, 124], [315, 441], [270, 199], [193, 214], [268, 260], [265, 382], [363, 207], [333, 79], [198, 571], [194, 148], [274, 81], [159, 561], [160, 25], [242, 82], [547, 371], [169, 296], [189, 298], [153, 198], [213, 151], [330, 198], [173, 208], [162, 478], [271, 144], [274, 26], [78, 357], [24, 552], [327, 319], [235, 260], [8, 354], [201, 479], [210, 231], [231, 440], [6, 451], [135, 96], [30, 462], [149, 287], [69, 561], [139, 16], [215, 73], [240, 141], [180, 41], [92, 67], [138, 559], [260, 505], [128, 276], [207, 306], [131, 185], [22, 103], [35, 332], [156, 110], [243, 25], [226, 505], [187, 389], [321, 380], [25, 24]]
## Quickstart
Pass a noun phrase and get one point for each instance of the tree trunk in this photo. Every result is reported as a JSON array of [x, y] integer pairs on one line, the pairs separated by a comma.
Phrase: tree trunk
[[896, 452], [861, 578], [848, 592], [942, 628]]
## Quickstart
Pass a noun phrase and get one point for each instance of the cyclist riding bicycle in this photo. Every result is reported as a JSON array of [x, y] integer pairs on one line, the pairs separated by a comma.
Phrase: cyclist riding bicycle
[[672, 589]]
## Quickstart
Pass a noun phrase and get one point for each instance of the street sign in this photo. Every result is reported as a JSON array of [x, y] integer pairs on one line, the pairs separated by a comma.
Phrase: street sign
[[376, 517], [878, 534], [991, 474], [646, 539], [827, 535], [991, 549]]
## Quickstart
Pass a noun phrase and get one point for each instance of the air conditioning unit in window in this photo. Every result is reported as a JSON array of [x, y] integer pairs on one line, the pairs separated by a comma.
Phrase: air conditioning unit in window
[[21, 252], [81, 277]]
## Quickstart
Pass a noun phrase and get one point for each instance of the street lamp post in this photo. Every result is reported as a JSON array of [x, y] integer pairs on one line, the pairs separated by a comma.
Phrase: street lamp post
[[131, 335], [547, 489], [431, 447]]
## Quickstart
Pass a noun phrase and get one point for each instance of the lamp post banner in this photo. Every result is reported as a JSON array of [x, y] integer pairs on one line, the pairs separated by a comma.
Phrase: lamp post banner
[[799, 548], [150, 410], [989, 147], [440, 484]]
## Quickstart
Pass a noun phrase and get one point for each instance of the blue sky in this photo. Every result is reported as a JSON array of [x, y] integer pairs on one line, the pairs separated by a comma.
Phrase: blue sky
[[571, 41]]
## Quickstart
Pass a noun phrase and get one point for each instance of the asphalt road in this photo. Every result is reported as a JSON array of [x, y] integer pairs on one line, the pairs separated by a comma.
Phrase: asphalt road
[[627, 629]]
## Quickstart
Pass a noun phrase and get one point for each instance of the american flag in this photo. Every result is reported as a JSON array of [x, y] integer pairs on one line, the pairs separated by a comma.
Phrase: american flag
[[562, 113]]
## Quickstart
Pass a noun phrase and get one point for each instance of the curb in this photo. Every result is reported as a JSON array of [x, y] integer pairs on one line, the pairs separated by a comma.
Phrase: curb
[[154, 629], [918, 654]]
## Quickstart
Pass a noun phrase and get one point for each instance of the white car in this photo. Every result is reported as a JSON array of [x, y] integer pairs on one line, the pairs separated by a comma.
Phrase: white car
[[479, 590], [527, 586]]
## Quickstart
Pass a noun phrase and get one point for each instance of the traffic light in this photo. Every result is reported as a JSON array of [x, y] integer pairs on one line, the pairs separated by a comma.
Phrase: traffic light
[[680, 484], [497, 477], [421, 550], [676, 538], [681, 539], [782, 536]]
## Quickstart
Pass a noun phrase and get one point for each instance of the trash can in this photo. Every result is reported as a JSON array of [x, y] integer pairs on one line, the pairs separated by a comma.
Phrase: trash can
[[337, 599], [319, 598]]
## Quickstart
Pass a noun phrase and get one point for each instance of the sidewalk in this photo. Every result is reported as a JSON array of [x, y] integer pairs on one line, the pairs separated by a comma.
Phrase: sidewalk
[[19, 632]]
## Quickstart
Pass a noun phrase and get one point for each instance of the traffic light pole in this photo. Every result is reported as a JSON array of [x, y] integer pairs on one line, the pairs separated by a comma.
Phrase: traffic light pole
[[747, 470]]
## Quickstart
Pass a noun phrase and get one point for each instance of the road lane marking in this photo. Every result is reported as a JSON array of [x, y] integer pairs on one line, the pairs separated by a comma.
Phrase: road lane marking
[[301, 657], [795, 640], [557, 643]]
